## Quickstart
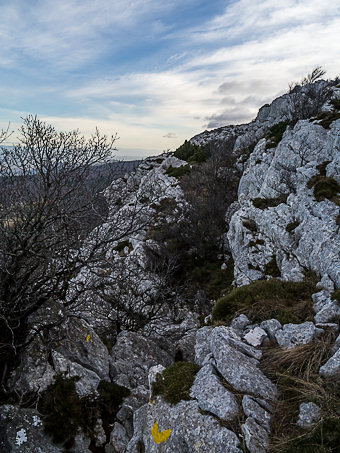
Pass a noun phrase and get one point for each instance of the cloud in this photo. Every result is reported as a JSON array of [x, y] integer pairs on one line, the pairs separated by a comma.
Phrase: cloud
[[170, 135], [235, 115]]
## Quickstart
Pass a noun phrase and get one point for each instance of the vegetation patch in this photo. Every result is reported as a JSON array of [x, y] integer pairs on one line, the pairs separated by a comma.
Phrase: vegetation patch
[[264, 203], [292, 225], [325, 119], [121, 246], [271, 268], [275, 134], [65, 413], [177, 172], [295, 372], [256, 243], [322, 167], [175, 382], [336, 295], [191, 153], [265, 299], [324, 187]]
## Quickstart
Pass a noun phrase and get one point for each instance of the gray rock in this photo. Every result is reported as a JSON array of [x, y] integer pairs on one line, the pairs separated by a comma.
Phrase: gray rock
[[271, 326], [212, 396], [330, 312], [332, 367], [191, 431], [320, 299], [328, 326], [202, 347], [238, 369], [309, 414], [256, 437], [88, 381], [118, 439], [133, 356], [21, 431], [253, 409], [336, 344], [255, 336], [292, 335], [186, 347], [240, 322], [326, 283], [83, 346], [229, 336]]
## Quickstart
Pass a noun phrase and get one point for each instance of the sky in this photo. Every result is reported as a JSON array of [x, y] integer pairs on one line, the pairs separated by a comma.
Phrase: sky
[[157, 72]]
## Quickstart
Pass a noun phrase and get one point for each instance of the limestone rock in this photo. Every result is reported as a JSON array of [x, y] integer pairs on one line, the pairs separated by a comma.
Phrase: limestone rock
[[240, 322], [255, 436], [118, 439], [309, 414], [255, 336], [238, 369], [253, 409], [191, 431], [292, 335], [212, 396], [332, 367], [202, 347], [271, 326]]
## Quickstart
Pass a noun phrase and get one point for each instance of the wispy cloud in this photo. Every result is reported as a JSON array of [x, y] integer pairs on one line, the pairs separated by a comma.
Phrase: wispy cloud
[[145, 67]]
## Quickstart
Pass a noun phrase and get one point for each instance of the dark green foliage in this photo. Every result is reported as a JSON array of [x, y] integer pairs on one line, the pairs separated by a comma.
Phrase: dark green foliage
[[291, 226], [255, 243], [175, 382], [121, 246], [336, 104], [322, 167], [336, 295], [177, 172], [264, 203], [207, 274], [275, 134], [190, 153], [62, 412], [265, 299], [327, 118], [271, 268], [65, 413], [324, 187]]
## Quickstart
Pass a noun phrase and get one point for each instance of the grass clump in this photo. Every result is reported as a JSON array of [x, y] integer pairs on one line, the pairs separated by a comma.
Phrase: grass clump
[[324, 187], [191, 153], [175, 382], [295, 372], [265, 299], [327, 118], [264, 203], [275, 134], [178, 172]]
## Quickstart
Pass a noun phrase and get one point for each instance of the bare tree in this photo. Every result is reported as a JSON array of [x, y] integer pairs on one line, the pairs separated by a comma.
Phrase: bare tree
[[50, 224]]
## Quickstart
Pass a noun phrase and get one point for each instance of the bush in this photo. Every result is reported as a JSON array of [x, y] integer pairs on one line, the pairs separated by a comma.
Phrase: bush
[[175, 382], [292, 225], [190, 153], [336, 295], [177, 172], [275, 134], [264, 299], [324, 187], [264, 203], [64, 413], [121, 246]]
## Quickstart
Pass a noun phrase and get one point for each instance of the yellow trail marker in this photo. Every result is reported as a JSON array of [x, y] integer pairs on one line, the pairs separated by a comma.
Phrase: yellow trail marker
[[159, 437], [88, 337]]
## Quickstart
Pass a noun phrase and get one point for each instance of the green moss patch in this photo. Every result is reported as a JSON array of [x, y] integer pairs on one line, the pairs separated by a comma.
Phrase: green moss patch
[[175, 382], [121, 246], [265, 299], [336, 295], [327, 118]]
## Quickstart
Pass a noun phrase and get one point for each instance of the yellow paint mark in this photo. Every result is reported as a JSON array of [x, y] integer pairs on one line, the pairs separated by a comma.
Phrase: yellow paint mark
[[159, 437], [88, 337]]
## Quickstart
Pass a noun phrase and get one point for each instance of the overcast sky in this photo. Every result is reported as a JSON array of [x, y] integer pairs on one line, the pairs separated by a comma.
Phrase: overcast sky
[[157, 71]]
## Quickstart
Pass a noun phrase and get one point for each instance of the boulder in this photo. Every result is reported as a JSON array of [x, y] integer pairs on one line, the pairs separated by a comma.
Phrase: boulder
[[212, 395], [292, 335], [309, 414], [331, 368], [256, 437], [252, 408]]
